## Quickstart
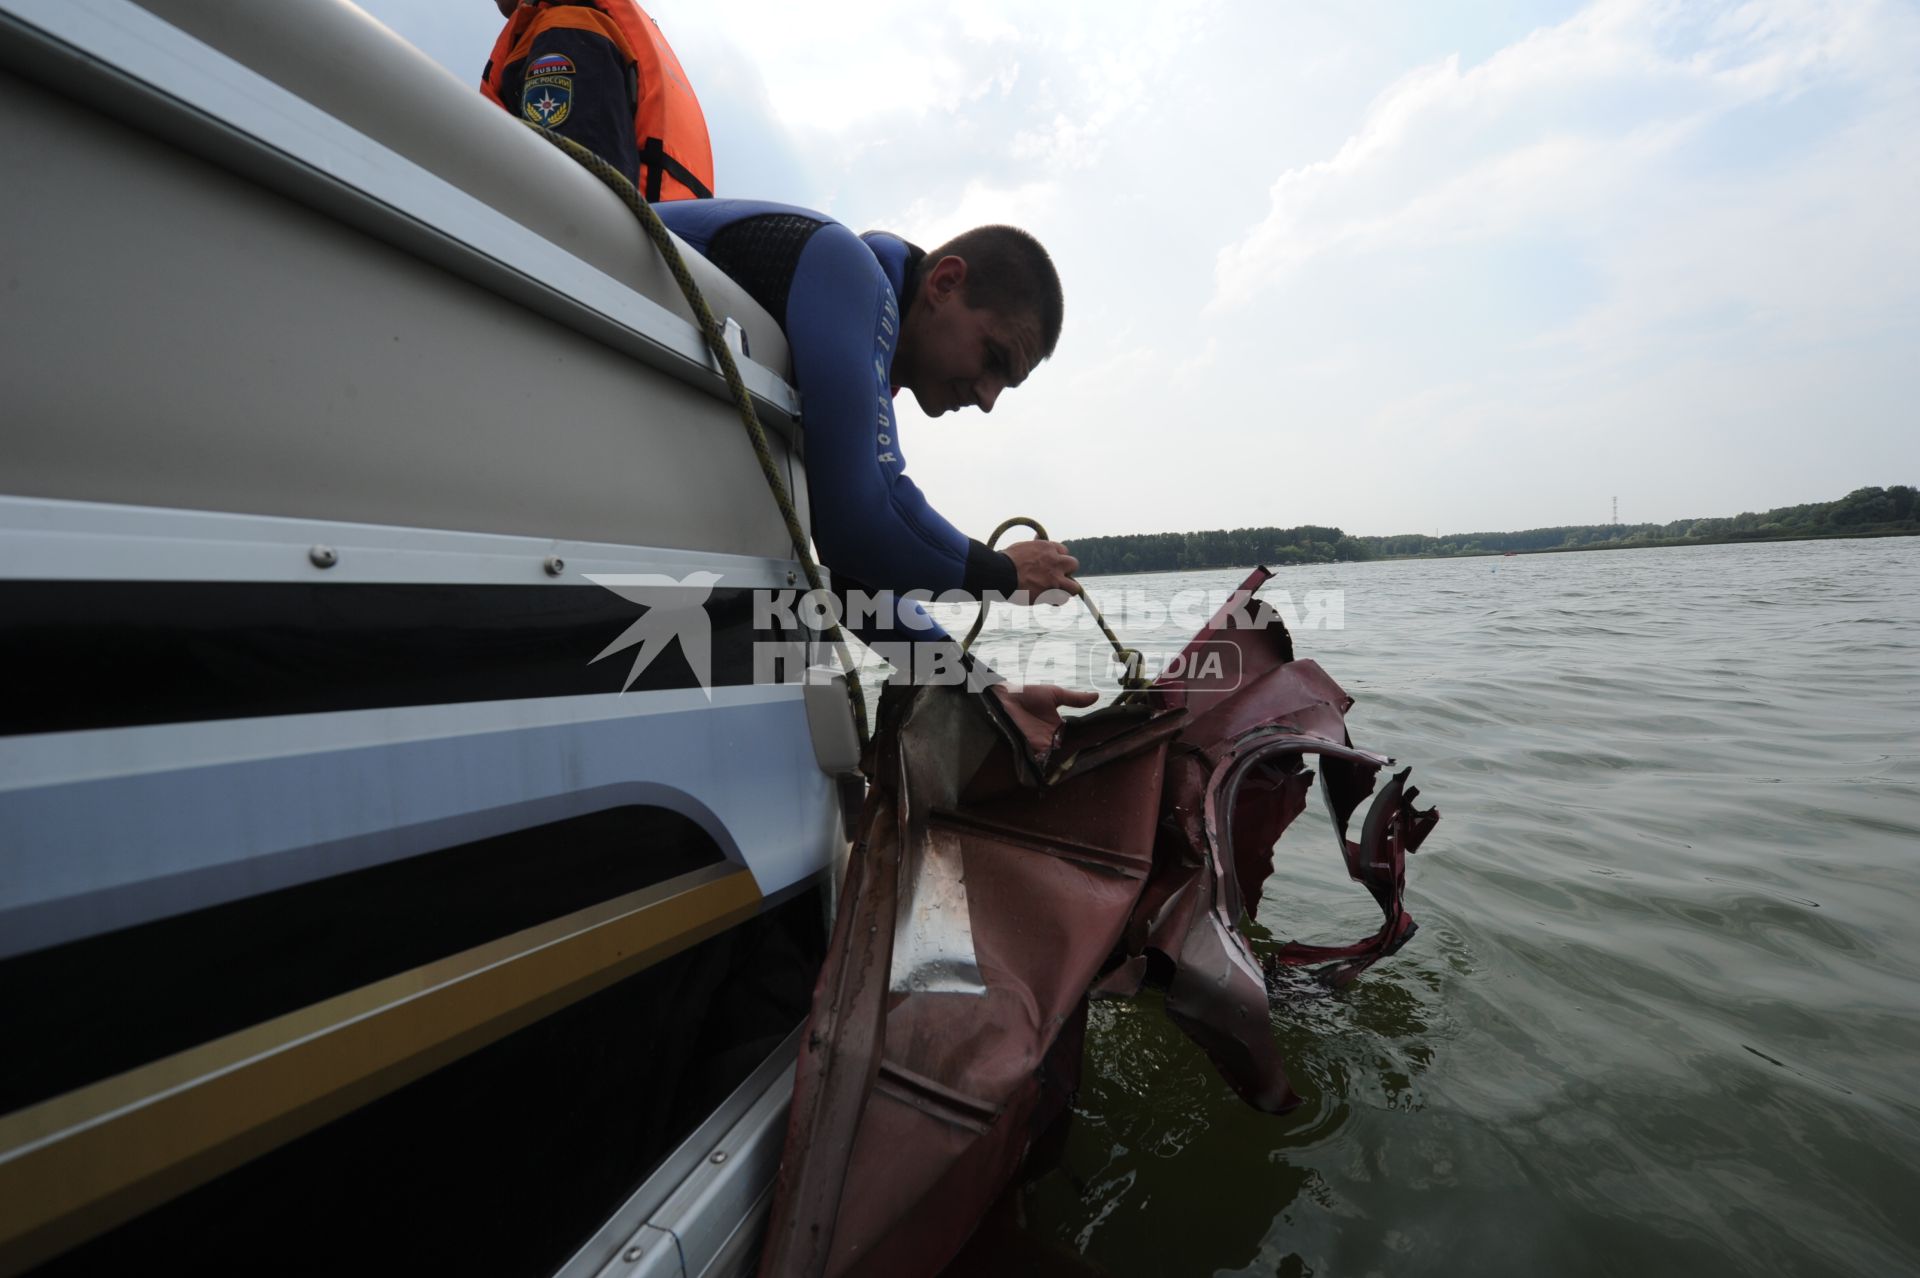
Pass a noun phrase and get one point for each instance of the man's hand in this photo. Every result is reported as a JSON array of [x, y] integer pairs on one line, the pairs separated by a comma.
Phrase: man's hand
[[1035, 709], [1044, 566]]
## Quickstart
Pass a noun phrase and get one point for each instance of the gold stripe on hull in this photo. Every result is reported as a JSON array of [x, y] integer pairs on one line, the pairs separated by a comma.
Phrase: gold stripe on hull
[[76, 1165]]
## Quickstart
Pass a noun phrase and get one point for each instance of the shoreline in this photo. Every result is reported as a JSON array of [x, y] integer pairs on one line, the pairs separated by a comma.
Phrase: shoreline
[[1668, 543], [1665, 544]]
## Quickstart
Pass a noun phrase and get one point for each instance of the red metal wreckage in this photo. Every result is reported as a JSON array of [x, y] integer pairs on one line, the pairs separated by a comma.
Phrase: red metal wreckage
[[991, 892]]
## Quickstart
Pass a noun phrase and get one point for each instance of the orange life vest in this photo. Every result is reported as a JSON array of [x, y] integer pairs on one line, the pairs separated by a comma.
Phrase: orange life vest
[[676, 159]]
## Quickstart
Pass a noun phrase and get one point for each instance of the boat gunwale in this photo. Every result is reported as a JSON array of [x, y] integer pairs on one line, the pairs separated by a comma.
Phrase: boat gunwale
[[135, 67]]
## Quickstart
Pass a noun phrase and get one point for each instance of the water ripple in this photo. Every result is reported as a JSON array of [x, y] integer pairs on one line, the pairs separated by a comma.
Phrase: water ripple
[[1661, 1013]]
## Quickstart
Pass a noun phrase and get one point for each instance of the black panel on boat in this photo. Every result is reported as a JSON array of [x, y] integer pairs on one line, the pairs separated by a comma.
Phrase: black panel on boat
[[504, 1162], [95, 1007], [104, 654]]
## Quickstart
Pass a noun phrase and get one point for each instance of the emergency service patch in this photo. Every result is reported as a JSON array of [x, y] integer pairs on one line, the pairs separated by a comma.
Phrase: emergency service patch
[[547, 98]]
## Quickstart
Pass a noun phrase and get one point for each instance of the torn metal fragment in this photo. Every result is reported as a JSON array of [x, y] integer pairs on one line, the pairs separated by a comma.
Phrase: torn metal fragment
[[991, 893]]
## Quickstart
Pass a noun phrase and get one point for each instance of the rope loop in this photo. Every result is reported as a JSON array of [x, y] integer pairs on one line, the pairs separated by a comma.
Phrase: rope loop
[[1133, 681]]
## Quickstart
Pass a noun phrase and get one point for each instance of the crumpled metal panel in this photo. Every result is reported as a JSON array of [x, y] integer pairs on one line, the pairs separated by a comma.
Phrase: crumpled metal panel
[[933, 949], [991, 892]]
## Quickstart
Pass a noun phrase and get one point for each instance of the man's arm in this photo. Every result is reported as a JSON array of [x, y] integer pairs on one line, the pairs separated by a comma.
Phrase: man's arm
[[578, 81], [870, 520], [908, 638], [878, 617]]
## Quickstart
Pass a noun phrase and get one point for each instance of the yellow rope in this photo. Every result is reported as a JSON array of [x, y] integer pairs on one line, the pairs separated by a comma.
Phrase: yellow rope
[[714, 331], [1133, 680]]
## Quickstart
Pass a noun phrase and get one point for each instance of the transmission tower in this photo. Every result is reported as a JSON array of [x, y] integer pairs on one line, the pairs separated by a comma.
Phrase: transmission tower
[[1616, 511]]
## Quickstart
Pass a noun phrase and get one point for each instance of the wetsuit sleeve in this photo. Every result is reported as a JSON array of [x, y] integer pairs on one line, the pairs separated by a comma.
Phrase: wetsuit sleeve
[[989, 569], [578, 83], [870, 521], [878, 618]]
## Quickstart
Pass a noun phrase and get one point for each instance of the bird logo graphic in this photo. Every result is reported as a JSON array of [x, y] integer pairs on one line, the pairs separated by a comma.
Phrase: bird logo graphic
[[675, 609]]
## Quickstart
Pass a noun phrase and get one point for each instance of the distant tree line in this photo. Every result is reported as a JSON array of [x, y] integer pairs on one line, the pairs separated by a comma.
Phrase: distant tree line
[[1864, 511], [1221, 548]]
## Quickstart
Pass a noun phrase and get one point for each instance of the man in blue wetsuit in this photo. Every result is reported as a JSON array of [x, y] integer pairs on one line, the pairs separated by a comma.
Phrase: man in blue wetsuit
[[869, 316]]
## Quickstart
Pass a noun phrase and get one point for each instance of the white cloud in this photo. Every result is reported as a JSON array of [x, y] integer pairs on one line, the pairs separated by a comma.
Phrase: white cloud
[[1565, 132], [1030, 204], [1501, 271]]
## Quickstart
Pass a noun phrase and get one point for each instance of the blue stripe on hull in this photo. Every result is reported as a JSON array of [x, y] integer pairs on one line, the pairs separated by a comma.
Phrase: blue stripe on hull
[[105, 852]]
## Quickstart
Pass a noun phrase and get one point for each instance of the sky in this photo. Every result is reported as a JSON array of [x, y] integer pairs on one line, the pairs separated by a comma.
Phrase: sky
[[1393, 267]]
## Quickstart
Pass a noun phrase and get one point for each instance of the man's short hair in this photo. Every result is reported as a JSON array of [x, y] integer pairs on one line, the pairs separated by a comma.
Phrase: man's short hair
[[1009, 272]]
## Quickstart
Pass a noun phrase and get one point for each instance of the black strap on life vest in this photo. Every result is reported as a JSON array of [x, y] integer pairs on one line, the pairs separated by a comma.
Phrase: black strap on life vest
[[655, 160]]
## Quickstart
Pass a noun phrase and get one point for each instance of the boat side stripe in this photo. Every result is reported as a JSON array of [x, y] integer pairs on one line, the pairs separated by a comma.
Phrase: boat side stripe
[[111, 1002], [120, 653], [57, 539], [78, 1164]]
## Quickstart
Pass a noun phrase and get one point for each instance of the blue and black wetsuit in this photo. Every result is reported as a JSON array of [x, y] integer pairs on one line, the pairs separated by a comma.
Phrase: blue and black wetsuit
[[837, 297]]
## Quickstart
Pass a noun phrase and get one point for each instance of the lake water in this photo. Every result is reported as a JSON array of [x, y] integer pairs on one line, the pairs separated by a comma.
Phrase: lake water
[[1663, 1012]]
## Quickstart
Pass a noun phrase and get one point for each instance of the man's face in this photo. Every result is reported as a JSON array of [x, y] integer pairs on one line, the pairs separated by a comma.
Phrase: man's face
[[953, 355]]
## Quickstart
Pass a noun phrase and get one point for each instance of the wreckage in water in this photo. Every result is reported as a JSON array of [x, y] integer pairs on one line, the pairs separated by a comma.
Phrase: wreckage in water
[[992, 892]]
